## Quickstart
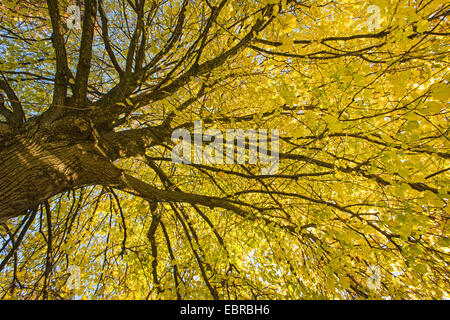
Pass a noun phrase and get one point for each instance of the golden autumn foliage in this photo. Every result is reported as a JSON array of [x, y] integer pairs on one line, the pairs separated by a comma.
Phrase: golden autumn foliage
[[357, 210]]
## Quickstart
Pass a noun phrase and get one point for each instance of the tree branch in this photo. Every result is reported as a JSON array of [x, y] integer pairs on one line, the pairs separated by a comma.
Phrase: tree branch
[[17, 117], [84, 61], [62, 68]]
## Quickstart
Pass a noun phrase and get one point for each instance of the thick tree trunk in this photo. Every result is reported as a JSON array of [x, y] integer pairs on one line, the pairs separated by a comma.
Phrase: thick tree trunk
[[43, 160], [37, 164]]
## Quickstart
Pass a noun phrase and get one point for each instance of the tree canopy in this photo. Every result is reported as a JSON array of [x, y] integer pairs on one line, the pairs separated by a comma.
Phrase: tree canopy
[[358, 208]]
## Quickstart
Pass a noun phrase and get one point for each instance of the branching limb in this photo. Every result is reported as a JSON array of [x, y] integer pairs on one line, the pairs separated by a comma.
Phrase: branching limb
[[17, 116], [85, 57], [62, 69]]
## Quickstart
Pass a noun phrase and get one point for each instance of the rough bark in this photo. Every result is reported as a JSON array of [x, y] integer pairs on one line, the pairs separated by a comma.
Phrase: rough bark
[[42, 161]]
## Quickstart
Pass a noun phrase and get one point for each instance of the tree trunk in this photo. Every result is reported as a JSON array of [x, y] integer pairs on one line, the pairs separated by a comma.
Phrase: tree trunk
[[38, 163]]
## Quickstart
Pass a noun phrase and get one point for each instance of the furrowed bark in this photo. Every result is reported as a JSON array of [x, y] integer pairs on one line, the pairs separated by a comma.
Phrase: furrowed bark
[[37, 164]]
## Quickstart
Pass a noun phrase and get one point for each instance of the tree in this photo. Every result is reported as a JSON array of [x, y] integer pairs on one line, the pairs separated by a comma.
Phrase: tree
[[357, 209]]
